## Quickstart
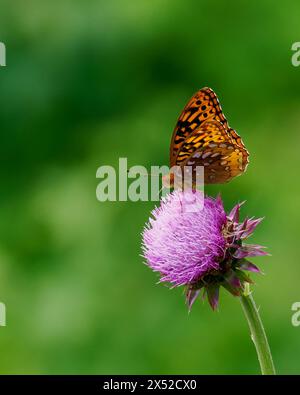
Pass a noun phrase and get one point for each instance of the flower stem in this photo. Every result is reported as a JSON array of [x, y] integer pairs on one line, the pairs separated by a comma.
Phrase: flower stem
[[258, 334]]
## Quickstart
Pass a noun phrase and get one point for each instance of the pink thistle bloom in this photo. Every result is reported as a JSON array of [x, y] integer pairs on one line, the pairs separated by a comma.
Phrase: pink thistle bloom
[[201, 248]]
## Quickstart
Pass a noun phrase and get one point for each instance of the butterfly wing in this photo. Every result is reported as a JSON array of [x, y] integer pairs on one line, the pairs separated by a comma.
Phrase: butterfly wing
[[203, 106], [221, 152]]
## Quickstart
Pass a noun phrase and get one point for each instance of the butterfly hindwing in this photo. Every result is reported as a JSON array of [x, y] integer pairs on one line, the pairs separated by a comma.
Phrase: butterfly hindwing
[[212, 147]]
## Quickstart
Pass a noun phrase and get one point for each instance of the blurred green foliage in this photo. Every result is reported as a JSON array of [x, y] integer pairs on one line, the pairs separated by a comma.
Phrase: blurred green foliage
[[88, 82]]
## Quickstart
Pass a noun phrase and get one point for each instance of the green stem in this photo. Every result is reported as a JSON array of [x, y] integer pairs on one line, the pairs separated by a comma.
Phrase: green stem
[[258, 334]]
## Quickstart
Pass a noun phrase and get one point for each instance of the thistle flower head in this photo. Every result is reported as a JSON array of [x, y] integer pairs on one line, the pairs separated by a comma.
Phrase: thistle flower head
[[191, 241]]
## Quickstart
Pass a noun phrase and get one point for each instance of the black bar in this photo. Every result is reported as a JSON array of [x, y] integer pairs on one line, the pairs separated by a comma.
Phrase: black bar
[[131, 384]]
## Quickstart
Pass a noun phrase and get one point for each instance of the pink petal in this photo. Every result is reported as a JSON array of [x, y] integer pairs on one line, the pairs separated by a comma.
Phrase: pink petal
[[235, 212]]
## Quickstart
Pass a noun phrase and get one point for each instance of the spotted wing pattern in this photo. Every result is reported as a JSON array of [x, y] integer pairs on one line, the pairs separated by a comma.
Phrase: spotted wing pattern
[[203, 106], [209, 143], [212, 147]]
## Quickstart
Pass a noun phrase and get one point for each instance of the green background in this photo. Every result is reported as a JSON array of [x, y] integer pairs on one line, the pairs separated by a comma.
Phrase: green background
[[88, 82]]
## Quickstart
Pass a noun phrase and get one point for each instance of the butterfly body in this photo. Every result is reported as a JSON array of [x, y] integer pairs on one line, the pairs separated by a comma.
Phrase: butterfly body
[[202, 137]]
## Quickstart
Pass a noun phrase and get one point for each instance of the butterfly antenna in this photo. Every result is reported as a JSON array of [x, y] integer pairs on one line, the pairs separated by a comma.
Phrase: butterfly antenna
[[162, 187], [147, 174]]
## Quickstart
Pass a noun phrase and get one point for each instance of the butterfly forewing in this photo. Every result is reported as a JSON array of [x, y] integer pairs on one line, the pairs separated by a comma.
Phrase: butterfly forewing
[[203, 106]]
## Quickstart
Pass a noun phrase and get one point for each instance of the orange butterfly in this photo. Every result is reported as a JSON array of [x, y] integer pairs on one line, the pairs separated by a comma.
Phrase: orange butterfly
[[202, 137]]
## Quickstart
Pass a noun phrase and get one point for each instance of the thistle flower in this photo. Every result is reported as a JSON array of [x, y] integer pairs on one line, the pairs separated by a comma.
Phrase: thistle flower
[[201, 249]]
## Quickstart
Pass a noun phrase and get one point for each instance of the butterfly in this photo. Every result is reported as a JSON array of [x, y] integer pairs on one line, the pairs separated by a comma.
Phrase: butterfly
[[202, 137]]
